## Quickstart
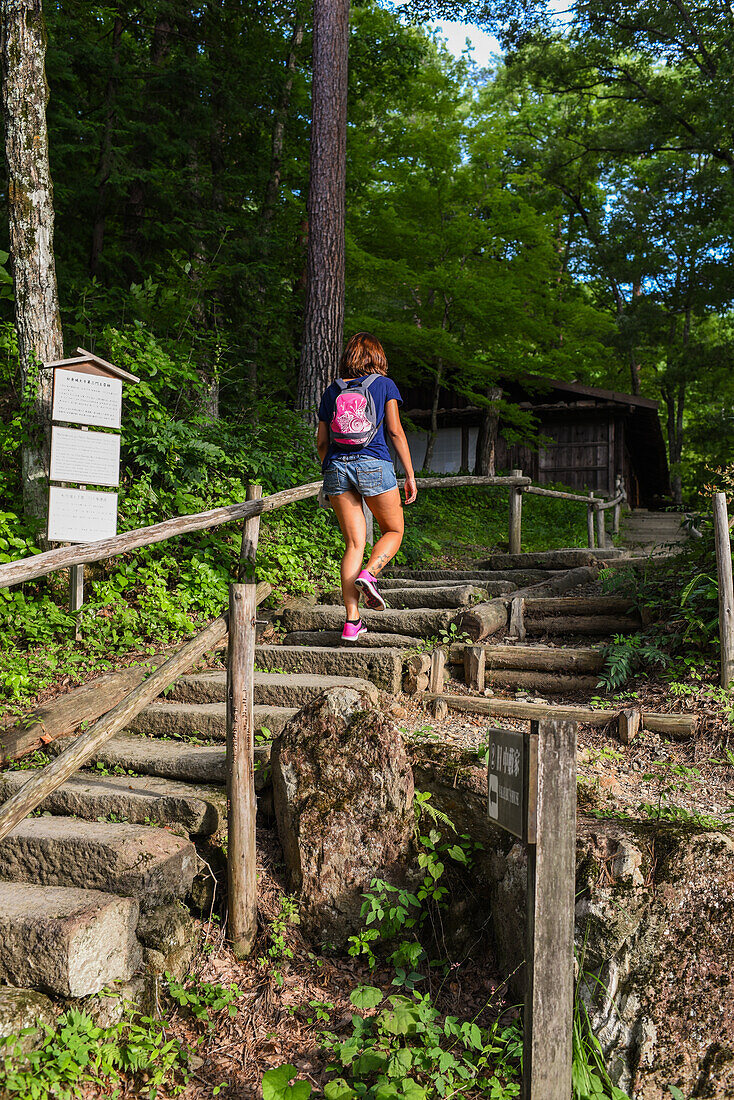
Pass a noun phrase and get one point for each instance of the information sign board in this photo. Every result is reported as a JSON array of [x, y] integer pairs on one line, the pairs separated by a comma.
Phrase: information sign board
[[89, 458], [507, 804], [81, 515], [87, 399]]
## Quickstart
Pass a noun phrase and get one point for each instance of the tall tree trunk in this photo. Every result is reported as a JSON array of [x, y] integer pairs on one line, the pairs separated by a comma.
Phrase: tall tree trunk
[[31, 218], [323, 321], [106, 154], [674, 397], [433, 430], [486, 453]]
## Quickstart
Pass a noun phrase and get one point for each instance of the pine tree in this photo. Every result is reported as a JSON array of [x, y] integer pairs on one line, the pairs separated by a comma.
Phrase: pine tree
[[31, 218], [324, 311]]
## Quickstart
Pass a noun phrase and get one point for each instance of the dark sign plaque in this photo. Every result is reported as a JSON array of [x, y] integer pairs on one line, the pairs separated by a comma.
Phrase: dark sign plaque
[[507, 804]]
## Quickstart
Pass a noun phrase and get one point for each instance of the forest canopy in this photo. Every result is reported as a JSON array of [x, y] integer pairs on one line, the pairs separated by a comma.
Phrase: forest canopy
[[566, 211]]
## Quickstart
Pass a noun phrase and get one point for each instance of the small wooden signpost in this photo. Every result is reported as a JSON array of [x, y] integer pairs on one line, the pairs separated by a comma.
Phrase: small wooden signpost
[[87, 391], [532, 794]]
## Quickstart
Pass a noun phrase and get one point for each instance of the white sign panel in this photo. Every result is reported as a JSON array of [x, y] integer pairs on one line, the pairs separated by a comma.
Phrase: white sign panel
[[80, 515], [87, 399], [90, 458]]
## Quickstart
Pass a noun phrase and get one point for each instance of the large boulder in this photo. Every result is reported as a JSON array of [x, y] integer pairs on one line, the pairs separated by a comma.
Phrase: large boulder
[[343, 796]]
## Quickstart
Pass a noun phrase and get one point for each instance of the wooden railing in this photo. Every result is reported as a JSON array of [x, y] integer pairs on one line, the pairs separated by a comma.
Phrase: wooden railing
[[239, 625], [51, 561]]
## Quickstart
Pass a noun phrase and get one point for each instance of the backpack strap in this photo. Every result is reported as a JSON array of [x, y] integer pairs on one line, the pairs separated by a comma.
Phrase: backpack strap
[[365, 380]]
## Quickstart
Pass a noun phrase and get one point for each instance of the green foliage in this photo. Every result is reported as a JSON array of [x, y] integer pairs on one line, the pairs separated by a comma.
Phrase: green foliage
[[278, 947], [204, 1000], [77, 1054], [629, 654], [589, 1073], [407, 1049]]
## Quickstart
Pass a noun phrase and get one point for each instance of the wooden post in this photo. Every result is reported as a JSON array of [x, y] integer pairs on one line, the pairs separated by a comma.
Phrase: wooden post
[[250, 536], [76, 597], [515, 524], [241, 798], [549, 958], [628, 725], [601, 534], [369, 521], [590, 524], [617, 510], [726, 588], [242, 802], [435, 677], [475, 666], [517, 618]]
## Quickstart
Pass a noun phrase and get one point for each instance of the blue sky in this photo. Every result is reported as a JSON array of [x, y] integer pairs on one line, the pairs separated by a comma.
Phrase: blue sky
[[456, 34]]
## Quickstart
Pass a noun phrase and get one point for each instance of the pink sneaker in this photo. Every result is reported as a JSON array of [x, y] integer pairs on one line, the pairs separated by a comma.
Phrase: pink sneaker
[[352, 631], [367, 584]]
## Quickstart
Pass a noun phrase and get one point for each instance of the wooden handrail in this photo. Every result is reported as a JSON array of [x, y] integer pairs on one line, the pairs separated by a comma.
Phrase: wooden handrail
[[40, 565], [28, 569]]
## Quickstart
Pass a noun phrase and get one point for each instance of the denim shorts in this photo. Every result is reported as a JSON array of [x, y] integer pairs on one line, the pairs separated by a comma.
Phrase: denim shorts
[[369, 476]]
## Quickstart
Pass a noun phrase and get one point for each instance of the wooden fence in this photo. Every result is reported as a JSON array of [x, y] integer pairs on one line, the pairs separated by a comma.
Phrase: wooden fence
[[239, 625]]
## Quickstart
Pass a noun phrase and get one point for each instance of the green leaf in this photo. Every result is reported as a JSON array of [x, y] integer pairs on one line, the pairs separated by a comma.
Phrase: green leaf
[[366, 996], [675, 1092], [276, 1085], [338, 1090]]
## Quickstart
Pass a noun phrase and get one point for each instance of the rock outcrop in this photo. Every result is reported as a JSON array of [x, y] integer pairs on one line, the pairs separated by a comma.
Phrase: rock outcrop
[[654, 919], [343, 795]]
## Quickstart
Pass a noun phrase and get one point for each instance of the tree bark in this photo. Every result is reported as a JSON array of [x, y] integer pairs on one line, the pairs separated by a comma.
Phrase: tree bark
[[31, 223], [324, 312], [486, 453], [433, 430]]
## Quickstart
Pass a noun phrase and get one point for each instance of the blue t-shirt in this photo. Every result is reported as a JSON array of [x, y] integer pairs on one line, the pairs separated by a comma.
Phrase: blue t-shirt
[[382, 390]]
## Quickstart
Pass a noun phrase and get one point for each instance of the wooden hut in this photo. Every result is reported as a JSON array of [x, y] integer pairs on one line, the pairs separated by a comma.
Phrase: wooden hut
[[586, 437]]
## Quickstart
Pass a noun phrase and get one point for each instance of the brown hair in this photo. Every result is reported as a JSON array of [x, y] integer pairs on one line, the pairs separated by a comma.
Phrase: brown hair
[[363, 354]]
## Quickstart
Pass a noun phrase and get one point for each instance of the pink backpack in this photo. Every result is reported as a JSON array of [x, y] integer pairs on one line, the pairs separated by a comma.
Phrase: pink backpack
[[354, 423]]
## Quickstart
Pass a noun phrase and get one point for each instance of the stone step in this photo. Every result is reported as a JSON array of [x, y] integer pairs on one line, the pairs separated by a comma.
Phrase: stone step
[[381, 666], [571, 558], [174, 760], [480, 577], [204, 720], [398, 584], [134, 861], [197, 811], [433, 596], [420, 624], [333, 640], [272, 689], [66, 941], [24, 1008], [177, 760]]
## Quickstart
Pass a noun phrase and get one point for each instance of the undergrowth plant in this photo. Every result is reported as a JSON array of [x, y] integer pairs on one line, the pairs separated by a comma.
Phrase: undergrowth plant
[[399, 1045], [78, 1054]]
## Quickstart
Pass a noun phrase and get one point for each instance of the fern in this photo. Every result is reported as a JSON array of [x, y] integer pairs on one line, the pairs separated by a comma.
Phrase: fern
[[628, 654]]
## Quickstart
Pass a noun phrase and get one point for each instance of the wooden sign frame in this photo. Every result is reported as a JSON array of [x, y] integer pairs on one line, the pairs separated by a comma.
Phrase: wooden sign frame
[[549, 781]]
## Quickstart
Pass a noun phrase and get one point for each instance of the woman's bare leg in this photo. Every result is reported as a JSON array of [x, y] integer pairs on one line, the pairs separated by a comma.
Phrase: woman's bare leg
[[348, 508], [388, 511]]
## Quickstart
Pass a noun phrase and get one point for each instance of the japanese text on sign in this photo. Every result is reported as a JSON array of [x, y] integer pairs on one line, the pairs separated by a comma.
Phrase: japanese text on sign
[[506, 781]]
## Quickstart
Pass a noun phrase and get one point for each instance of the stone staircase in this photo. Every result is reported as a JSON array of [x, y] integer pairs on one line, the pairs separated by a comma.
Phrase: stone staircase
[[115, 852]]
